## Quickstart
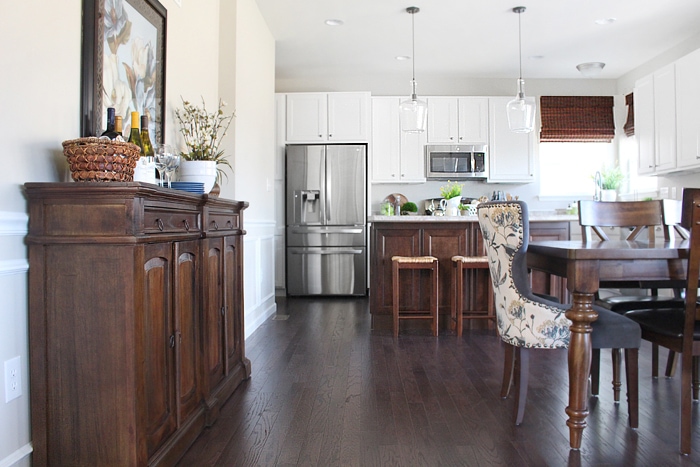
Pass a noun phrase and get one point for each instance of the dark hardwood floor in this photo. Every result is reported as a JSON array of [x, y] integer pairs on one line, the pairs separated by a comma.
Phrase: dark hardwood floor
[[326, 390]]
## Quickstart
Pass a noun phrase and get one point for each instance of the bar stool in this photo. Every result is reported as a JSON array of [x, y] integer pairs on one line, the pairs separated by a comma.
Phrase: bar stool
[[460, 263], [415, 262]]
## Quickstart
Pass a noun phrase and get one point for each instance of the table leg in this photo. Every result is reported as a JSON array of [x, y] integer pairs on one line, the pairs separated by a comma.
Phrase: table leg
[[581, 315]]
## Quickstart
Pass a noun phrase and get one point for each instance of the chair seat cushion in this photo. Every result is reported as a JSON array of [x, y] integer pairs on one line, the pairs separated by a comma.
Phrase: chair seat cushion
[[625, 303], [667, 322], [615, 331]]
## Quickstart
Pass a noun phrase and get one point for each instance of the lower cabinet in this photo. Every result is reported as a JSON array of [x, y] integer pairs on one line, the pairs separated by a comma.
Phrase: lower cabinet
[[136, 320], [443, 240], [542, 282], [440, 239]]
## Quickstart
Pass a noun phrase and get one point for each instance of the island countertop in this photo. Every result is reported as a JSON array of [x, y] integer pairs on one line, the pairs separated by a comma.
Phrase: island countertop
[[535, 216]]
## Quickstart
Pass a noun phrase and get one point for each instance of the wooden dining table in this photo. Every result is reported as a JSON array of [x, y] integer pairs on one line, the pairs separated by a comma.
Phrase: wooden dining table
[[585, 265]]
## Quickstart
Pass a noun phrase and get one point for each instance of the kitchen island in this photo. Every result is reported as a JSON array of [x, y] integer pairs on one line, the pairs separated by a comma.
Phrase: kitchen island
[[444, 237]]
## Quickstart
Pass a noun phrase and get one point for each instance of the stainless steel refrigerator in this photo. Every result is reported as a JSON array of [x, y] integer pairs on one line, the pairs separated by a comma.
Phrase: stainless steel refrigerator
[[326, 219]]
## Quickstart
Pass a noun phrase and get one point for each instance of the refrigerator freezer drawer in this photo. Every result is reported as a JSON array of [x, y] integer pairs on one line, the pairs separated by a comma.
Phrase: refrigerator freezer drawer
[[350, 235], [327, 271]]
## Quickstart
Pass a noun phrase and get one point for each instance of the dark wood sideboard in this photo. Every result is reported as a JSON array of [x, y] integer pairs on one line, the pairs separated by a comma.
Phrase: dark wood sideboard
[[443, 240], [135, 320]]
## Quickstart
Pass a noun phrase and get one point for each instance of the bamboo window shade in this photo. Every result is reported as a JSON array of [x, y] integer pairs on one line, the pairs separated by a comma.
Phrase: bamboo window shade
[[570, 119], [629, 124]]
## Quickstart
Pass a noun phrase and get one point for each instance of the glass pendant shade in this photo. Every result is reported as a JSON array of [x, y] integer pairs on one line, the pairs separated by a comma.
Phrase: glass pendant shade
[[521, 111], [413, 114]]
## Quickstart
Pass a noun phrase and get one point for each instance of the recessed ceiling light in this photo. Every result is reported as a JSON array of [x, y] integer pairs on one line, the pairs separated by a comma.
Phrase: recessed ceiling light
[[605, 21], [334, 22], [403, 57]]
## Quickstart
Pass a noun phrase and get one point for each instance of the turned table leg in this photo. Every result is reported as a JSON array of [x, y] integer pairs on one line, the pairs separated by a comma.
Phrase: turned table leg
[[581, 315]]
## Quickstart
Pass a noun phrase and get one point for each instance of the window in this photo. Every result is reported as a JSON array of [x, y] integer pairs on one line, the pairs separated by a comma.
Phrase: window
[[567, 169]]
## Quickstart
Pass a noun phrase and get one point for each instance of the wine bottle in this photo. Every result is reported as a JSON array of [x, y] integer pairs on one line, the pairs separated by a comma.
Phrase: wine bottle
[[145, 138], [118, 128], [135, 135], [110, 132]]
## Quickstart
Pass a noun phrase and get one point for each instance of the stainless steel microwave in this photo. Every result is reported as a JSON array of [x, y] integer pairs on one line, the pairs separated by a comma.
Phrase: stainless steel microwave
[[456, 162]]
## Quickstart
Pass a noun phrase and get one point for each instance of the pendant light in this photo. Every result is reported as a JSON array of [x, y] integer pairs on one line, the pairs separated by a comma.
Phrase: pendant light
[[521, 110], [413, 112]]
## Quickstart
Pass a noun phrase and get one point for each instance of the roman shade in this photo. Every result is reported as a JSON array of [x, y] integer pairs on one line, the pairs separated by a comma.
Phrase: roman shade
[[567, 119], [629, 124]]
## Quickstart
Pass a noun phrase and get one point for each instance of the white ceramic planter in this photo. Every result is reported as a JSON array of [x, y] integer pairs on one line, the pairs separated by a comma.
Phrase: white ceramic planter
[[608, 195], [199, 171], [453, 206]]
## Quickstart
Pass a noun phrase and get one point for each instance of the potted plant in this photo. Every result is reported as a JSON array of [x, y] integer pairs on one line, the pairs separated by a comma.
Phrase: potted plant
[[202, 132], [610, 182], [409, 208], [452, 192]]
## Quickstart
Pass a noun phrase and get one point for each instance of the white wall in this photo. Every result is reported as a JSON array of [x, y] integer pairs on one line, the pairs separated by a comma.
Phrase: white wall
[[40, 98]]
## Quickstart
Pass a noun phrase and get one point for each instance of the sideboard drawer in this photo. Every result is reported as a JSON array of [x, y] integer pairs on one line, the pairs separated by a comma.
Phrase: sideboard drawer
[[217, 222], [166, 221]]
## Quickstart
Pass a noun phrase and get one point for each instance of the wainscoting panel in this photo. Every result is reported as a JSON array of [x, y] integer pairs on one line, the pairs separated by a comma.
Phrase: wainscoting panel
[[259, 278], [15, 432]]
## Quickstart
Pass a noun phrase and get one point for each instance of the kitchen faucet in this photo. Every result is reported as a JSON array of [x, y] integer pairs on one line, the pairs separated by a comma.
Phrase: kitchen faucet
[[598, 180]]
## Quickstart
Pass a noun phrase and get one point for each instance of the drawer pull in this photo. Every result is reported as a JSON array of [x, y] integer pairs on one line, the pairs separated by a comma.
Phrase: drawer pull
[[172, 341], [159, 222], [187, 225], [216, 226], [229, 224]]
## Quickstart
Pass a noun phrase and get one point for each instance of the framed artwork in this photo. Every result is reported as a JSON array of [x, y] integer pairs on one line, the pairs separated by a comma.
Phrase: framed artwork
[[123, 63]]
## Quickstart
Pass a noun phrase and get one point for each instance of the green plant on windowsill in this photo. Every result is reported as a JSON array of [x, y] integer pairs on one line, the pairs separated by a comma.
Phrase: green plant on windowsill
[[611, 179]]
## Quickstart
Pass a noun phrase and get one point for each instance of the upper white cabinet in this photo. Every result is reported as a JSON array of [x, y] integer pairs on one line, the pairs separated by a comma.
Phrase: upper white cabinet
[[458, 120], [655, 121], [397, 156], [688, 123], [511, 155], [337, 117]]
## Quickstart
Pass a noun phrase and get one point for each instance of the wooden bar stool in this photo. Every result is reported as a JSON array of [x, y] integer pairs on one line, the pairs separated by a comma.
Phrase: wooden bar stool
[[460, 263], [415, 262]]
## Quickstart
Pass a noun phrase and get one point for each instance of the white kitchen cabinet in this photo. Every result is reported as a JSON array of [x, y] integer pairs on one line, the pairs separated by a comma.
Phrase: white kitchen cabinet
[[337, 117], [688, 117], [458, 120], [655, 121], [397, 156], [511, 155]]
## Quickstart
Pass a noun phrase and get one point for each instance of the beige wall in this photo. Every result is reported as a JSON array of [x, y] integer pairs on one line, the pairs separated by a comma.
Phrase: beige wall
[[40, 99]]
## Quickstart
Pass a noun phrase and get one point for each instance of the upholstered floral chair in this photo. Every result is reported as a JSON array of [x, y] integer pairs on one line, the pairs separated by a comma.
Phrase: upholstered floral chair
[[527, 321]]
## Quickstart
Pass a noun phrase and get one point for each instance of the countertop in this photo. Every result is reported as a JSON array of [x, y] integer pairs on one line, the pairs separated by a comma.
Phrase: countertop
[[534, 216]]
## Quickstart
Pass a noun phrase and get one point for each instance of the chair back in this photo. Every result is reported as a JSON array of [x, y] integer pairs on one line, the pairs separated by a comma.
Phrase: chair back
[[638, 215], [691, 221], [523, 320], [672, 215]]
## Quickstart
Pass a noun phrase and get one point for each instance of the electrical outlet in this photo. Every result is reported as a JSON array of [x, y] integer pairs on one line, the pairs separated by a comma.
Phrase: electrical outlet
[[663, 192], [13, 379], [673, 192]]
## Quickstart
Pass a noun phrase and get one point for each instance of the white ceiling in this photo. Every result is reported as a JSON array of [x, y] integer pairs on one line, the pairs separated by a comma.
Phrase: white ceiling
[[473, 39]]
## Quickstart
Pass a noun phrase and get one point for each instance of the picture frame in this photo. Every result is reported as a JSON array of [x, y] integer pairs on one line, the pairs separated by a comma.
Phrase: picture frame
[[123, 64]]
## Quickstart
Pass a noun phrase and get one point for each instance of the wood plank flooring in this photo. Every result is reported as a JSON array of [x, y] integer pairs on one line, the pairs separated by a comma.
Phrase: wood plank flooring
[[327, 390]]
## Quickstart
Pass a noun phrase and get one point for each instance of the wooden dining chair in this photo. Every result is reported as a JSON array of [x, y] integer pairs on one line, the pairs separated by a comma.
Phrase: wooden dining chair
[[678, 328], [640, 217], [525, 321]]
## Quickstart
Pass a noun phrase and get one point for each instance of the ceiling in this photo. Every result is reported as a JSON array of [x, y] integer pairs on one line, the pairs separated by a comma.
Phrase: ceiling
[[473, 38]]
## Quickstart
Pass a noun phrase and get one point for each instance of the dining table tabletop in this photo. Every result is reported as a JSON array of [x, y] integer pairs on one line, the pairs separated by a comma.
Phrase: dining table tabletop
[[585, 265]]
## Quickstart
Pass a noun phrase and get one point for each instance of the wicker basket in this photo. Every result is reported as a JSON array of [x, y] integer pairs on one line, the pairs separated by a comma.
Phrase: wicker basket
[[98, 160]]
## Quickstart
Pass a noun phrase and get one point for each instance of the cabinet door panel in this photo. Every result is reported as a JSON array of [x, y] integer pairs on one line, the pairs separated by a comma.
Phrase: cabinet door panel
[[231, 290], [442, 120], [348, 117], [665, 117], [511, 155], [473, 120], [306, 117], [158, 329], [385, 139], [385, 244], [186, 308], [444, 243], [213, 317], [688, 124]]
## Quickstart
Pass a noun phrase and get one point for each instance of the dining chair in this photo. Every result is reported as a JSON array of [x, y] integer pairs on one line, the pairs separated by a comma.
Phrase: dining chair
[[678, 328], [525, 321], [641, 217]]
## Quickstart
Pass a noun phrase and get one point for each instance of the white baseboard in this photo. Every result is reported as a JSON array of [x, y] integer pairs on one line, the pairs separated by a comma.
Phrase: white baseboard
[[22, 454]]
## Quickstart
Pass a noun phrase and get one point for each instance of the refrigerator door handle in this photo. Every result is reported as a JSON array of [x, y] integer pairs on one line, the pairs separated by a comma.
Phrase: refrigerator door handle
[[328, 193], [322, 230], [327, 252]]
